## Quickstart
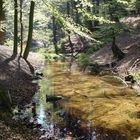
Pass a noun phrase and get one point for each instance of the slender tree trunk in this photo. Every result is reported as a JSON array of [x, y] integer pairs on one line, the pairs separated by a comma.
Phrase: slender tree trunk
[[89, 23], [71, 46], [1, 10], [72, 9], [69, 39], [95, 11], [2, 18], [54, 35], [15, 28], [115, 49], [21, 29], [77, 16], [27, 49], [68, 8], [96, 23]]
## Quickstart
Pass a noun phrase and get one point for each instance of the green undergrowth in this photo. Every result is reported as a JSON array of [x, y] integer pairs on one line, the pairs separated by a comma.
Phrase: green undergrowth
[[83, 60], [137, 75]]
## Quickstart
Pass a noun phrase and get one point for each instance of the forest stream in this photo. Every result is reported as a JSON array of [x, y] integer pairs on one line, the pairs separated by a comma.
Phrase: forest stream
[[71, 105]]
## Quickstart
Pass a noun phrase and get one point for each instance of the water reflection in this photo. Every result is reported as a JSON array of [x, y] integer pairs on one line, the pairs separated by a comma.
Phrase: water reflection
[[91, 100], [93, 108]]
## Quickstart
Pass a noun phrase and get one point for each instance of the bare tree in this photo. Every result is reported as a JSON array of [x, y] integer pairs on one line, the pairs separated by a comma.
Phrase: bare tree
[[2, 18], [21, 28], [54, 34], [115, 49], [15, 27]]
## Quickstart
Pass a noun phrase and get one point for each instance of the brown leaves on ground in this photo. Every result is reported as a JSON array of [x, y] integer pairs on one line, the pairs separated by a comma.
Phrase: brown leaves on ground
[[16, 77]]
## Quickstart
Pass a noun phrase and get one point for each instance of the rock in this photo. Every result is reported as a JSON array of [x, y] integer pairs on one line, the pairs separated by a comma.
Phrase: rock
[[39, 73], [18, 113], [62, 114], [35, 81], [51, 98], [130, 78], [35, 78], [36, 44]]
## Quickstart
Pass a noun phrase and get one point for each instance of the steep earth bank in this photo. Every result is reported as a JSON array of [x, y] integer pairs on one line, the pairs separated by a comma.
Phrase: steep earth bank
[[16, 77]]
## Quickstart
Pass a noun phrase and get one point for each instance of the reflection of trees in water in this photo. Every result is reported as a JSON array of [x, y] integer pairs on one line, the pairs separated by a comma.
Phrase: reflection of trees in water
[[2, 18]]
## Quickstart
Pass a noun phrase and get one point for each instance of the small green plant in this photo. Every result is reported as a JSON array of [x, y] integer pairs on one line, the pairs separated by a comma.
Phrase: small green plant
[[137, 75], [132, 115], [52, 57], [83, 60], [42, 50], [92, 49]]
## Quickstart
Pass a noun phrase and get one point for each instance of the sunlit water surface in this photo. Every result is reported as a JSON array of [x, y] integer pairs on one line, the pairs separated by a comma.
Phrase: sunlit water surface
[[92, 107]]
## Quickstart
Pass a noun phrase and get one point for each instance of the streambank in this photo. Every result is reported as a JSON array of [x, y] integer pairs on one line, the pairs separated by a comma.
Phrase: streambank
[[130, 78], [16, 77]]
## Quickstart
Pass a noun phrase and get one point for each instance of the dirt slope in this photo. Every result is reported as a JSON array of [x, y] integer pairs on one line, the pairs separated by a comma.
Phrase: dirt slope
[[16, 75], [129, 45]]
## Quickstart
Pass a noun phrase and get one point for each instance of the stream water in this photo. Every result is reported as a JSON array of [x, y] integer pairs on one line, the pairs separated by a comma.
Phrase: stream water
[[81, 107]]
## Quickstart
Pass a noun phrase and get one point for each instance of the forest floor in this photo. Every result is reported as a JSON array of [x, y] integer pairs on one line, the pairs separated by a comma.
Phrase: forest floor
[[130, 45], [16, 77], [16, 72]]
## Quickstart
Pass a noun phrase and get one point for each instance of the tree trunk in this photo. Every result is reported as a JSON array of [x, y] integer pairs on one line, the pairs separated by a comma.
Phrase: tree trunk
[[15, 28], [27, 49], [68, 8], [95, 11], [21, 29], [69, 39], [54, 35], [77, 15], [96, 23], [2, 18], [89, 23], [115, 49]]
